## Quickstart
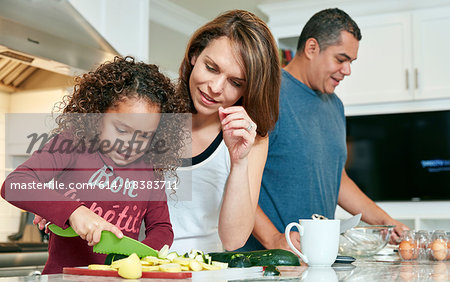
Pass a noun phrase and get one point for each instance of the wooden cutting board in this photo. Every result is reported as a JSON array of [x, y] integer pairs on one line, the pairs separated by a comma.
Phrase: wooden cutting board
[[112, 273]]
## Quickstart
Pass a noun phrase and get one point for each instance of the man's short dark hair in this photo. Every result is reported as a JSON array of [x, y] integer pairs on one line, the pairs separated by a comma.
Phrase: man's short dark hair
[[326, 26]]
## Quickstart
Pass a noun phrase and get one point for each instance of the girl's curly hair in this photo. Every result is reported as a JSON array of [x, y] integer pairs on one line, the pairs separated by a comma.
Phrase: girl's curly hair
[[98, 90]]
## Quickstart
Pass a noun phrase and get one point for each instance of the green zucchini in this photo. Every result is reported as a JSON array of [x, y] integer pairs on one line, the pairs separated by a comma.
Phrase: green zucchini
[[239, 261], [113, 257], [260, 258]]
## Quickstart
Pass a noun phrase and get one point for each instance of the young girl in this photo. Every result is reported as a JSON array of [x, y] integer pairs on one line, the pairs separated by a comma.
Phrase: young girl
[[231, 74], [121, 103]]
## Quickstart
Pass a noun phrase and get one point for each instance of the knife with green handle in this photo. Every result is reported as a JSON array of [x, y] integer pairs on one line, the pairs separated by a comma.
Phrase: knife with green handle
[[110, 244]]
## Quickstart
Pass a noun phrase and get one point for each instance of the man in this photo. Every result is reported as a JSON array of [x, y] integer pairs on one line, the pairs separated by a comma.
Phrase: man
[[304, 172]]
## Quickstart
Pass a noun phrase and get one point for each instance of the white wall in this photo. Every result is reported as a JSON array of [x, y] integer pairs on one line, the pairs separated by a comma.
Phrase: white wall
[[8, 214], [166, 48], [41, 101]]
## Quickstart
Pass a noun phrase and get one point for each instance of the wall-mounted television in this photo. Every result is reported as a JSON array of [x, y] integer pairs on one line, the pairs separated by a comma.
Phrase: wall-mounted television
[[400, 157]]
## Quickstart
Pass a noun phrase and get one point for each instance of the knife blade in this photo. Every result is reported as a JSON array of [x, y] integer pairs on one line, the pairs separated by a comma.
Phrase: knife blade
[[351, 222], [109, 243]]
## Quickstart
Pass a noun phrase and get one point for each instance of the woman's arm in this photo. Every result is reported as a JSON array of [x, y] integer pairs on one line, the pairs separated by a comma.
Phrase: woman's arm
[[237, 215]]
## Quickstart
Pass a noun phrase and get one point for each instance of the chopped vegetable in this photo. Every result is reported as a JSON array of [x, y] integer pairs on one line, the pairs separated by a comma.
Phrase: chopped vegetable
[[182, 260], [221, 265], [130, 267], [170, 267], [210, 266], [166, 261], [172, 255], [150, 268], [100, 267], [164, 251], [195, 265]]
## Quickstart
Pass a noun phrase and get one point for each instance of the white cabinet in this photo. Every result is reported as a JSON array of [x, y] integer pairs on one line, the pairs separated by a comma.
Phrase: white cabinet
[[382, 70], [431, 52], [402, 56]]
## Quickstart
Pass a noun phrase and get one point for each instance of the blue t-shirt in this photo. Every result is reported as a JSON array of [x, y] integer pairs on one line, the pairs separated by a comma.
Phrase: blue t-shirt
[[307, 153]]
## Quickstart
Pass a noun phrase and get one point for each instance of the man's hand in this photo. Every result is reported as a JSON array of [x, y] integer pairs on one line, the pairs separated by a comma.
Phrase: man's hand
[[397, 231]]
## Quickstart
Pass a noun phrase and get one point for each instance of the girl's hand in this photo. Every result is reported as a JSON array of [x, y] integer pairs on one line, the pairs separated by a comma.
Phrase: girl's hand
[[239, 131], [41, 223], [89, 225]]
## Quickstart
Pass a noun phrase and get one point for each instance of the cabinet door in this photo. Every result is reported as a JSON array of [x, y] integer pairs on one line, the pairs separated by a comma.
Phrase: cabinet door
[[432, 53], [382, 71]]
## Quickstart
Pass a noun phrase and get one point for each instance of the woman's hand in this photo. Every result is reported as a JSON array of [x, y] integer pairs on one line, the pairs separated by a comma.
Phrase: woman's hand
[[239, 131], [89, 225]]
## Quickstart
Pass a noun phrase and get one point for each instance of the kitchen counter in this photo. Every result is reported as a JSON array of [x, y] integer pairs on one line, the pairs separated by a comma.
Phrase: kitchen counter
[[22, 258], [373, 269]]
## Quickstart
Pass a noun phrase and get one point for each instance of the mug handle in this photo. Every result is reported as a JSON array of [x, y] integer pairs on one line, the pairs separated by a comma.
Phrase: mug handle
[[288, 239]]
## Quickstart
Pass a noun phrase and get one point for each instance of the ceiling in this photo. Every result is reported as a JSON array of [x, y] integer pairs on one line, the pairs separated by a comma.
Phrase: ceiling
[[209, 9]]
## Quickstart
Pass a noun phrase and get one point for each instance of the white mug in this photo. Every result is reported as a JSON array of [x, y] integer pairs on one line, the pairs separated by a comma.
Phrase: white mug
[[319, 240]]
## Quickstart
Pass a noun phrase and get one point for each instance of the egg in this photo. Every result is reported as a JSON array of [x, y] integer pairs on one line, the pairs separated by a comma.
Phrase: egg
[[438, 249], [406, 250]]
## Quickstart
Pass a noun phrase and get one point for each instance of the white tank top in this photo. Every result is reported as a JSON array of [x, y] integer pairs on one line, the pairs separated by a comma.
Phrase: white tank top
[[195, 219]]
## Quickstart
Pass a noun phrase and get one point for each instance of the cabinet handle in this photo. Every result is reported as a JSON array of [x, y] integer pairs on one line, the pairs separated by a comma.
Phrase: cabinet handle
[[407, 79], [416, 78]]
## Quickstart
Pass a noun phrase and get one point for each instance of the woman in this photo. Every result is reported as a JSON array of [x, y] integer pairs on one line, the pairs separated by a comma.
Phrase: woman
[[231, 74]]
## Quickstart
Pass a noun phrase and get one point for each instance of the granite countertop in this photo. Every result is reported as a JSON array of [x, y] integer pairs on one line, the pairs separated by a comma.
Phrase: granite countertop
[[370, 269]]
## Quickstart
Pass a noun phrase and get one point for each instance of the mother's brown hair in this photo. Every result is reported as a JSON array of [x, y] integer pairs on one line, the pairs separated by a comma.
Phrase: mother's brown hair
[[253, 41]]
